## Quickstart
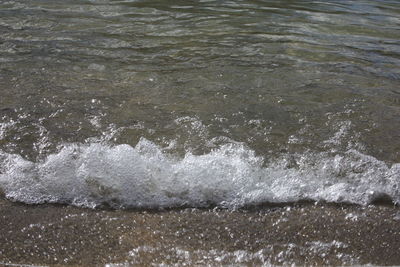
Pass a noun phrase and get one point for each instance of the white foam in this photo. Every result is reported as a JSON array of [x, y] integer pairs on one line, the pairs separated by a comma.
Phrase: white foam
[[231, 176]]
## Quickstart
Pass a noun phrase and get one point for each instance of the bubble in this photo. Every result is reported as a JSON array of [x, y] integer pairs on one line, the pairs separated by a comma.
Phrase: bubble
[[232, 176]]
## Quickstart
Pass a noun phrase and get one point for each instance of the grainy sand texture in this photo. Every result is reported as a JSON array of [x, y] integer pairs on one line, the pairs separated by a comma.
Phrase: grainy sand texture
[[304, 234]]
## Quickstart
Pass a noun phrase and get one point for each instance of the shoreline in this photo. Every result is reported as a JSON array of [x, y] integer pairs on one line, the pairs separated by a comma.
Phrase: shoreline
[[301, 234]]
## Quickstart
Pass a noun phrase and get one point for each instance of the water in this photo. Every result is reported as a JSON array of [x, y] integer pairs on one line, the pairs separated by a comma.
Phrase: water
[[199, 103]]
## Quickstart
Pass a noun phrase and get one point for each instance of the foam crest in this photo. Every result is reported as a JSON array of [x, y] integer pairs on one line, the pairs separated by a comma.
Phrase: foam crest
[[231, 176]]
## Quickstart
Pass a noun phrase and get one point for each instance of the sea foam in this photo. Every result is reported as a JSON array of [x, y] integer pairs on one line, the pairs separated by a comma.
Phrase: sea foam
[[232, 176]]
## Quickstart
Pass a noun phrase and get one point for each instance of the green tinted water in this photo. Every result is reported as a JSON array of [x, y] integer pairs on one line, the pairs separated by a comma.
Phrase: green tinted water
[[279, 76]]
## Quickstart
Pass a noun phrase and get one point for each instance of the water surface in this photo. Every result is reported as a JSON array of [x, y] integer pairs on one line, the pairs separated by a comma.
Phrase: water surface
[[198, 103]]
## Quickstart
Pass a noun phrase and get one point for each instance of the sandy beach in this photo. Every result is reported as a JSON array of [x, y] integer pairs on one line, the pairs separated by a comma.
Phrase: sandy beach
[[303, 234]]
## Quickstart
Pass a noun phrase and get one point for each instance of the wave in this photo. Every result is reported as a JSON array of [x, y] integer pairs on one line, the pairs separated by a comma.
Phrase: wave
[[232, 176]]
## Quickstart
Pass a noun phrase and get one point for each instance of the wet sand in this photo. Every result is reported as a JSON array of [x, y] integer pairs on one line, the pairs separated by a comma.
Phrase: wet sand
[[304, 234]]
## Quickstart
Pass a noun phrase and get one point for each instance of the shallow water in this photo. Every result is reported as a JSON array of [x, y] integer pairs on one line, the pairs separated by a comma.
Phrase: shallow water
[[199, 103], [311, 235]]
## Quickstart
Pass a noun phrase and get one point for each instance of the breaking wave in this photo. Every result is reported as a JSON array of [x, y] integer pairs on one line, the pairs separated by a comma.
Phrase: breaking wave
[[232, 176]]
